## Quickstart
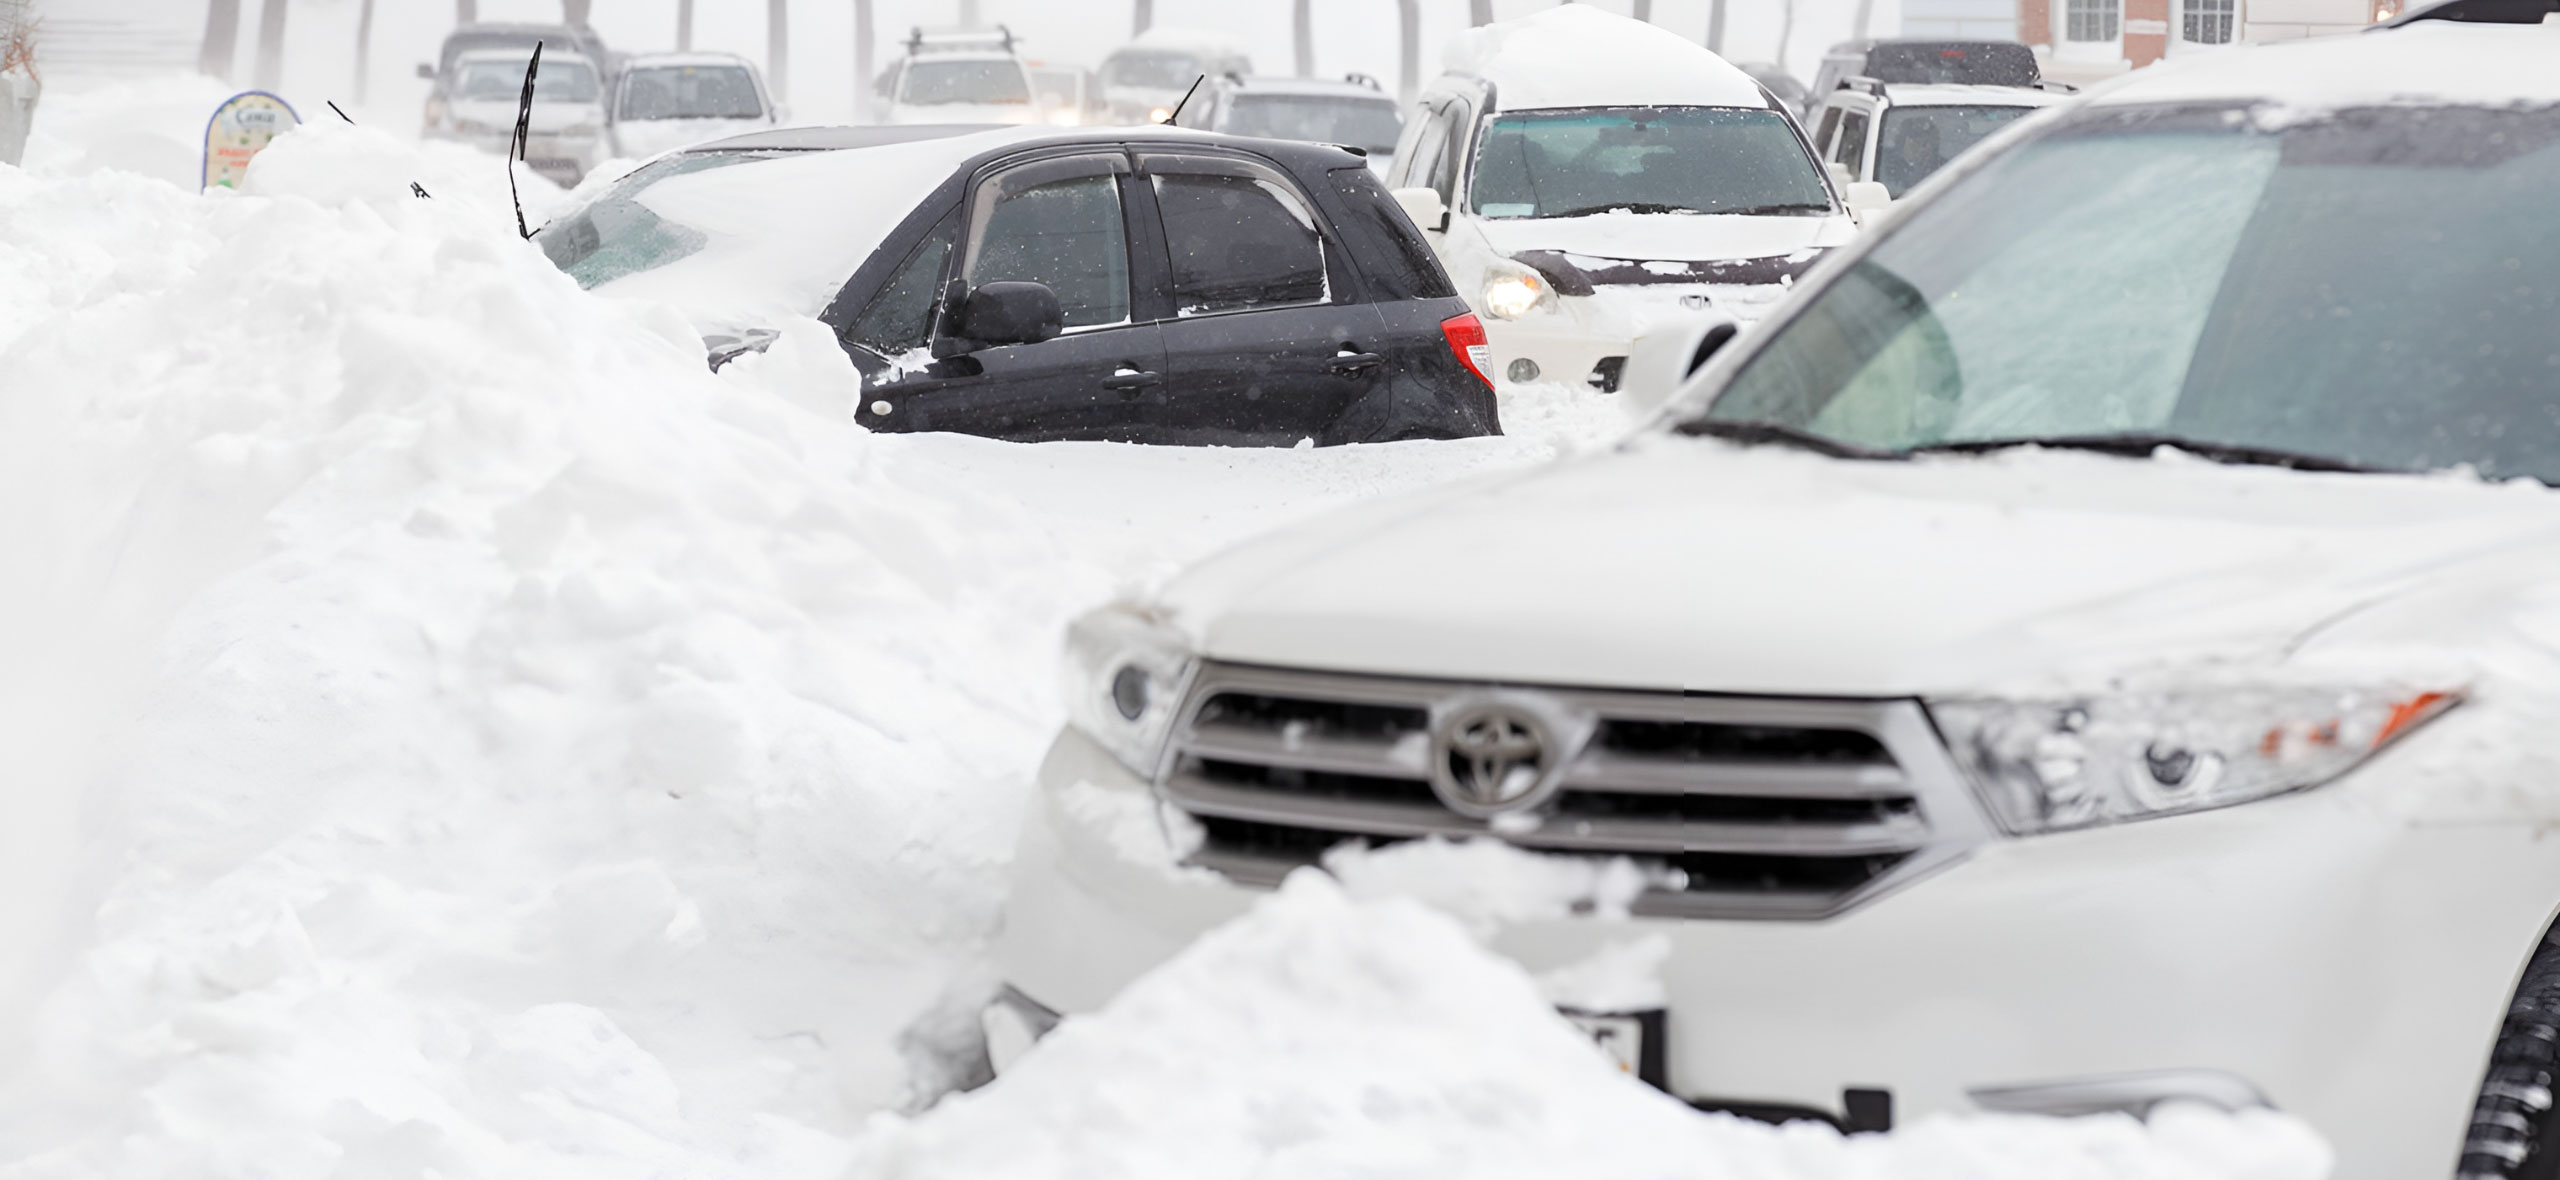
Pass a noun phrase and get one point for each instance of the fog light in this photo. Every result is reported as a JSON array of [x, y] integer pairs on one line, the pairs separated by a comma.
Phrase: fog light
[[1129, 692], [1522, 371]]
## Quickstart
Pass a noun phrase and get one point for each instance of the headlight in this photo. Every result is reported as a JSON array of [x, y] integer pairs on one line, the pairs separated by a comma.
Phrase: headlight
[[2051, 766], [1126, 670], [1513, 292]]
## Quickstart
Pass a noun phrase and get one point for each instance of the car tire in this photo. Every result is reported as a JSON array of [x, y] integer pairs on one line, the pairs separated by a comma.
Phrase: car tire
[[2514, 1134]]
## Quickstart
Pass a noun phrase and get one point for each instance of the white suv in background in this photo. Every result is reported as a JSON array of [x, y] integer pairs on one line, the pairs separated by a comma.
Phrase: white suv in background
[[1583, 175], [2097, 644], [1897, 135], [959, 76]]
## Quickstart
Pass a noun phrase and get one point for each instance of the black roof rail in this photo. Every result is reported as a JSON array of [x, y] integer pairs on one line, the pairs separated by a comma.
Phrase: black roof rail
[[1359, 79], [1864, 83], [2481, 12], [2056, 86]]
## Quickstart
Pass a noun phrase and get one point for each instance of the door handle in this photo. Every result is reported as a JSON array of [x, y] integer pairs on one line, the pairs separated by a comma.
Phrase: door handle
[[1351, 364], [1130, 381]]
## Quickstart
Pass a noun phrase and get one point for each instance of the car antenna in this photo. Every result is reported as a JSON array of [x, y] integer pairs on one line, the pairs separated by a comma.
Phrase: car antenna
[[524, 131], [419, 190], [1169, 120]]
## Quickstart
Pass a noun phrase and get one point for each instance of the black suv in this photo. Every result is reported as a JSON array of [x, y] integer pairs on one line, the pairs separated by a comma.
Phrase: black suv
[[1126, 284]]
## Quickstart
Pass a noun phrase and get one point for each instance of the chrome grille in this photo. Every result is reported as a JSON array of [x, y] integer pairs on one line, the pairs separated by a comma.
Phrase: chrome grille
[[1769, 807]]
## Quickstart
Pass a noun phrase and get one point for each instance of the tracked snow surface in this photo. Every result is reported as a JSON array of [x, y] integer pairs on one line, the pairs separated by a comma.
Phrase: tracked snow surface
[[449, 733]]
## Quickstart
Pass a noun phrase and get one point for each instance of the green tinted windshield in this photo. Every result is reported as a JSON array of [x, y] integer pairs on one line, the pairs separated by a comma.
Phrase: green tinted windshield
[[2378, 287], [615, 235], [1576, 163]]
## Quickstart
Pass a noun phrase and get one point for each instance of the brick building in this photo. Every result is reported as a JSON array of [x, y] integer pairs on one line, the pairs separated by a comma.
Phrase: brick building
[[2090, 39]]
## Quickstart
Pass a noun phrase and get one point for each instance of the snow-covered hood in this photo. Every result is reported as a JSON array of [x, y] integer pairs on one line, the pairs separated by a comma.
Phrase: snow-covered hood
[[549, 118], [1667, 237], [636, 138], [1685, 564]]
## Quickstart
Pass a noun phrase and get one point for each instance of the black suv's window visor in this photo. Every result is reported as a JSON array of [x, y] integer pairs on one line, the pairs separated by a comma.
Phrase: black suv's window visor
[[2371, 288], [1575, 163]]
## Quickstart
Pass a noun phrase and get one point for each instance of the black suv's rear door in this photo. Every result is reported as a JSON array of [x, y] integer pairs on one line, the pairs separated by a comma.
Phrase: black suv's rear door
[[1265, 340], [1063, 222]]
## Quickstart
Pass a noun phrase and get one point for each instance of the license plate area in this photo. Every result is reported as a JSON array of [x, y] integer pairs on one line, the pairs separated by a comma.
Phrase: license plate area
[[1632, 1041]]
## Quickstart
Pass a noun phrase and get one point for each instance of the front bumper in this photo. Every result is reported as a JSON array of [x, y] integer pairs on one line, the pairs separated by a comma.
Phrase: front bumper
[[2351, 966], [1584, 340]]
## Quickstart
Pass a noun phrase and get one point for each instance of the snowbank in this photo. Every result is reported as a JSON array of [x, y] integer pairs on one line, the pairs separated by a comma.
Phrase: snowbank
[[1324, 1037]]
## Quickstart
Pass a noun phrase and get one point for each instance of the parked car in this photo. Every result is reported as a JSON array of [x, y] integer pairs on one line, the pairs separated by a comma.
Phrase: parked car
[[1583, 175], [1898, 134], [2094, 647], [1354, 112], [1143, 81], [1068, 96], [663, 101], [1144, 285], [959, 76], [1781, 85], [1927, 60], [484, 88], [487, 35]]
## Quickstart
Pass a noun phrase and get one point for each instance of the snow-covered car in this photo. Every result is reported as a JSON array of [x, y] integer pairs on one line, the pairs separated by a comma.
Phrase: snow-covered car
[[1898, 134], [1068, 96], [959, 76], [1143, 81], [2097, 646], [664, 101], [1137, 284], [1584, 175], [1354, 112], [566, 134]]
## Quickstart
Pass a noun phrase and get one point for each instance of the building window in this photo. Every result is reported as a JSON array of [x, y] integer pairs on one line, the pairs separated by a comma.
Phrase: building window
[[2089, 20], [2209, 22]]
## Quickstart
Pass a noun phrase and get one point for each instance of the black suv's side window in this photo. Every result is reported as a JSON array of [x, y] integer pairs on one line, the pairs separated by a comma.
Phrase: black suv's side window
[[1066, 233], [1239, 242], [1851, 151], [900, 318], [1395, 259]]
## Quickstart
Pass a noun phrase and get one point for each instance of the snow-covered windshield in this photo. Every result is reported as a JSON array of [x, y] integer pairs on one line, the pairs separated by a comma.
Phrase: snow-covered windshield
[[1918, 140], [1369, 124], [1573, 163], [561, 80], [1151, 69], [690, 92], [2372, 287], [617, 235], [982, 80]]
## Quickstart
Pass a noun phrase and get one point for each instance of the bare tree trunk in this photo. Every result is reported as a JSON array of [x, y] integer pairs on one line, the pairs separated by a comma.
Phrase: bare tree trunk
[[866, 46], [1479, 12], [1409, 24], [1715, 26], [1142, 16], [466, 12], [777, 48], [1302, 26], [574, 13], [684, 26], [1866, 12], [271, 43], [968, 14], [1787, 36], [364, 50], [1641, 10], [221, 38]]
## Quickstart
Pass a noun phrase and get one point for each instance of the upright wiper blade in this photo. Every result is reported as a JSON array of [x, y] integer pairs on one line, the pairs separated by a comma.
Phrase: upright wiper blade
[[2140, 444], [1757, 433]]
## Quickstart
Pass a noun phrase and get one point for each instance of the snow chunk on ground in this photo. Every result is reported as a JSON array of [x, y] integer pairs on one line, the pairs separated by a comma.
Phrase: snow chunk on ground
[[1323, 1036]]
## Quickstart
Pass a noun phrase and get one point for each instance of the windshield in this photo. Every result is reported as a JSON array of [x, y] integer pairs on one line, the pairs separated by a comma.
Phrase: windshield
[[690, 92], [1574, 163], [1919, 140], [616, 235], [2375, 287], [1153, 70], [984, 80], [1370, 124], [561, 80]]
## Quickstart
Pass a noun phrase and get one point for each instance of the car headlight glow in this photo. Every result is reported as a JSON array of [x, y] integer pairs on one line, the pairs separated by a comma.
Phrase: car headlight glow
[[2055, 765], [1126, 670], [1513, 292]]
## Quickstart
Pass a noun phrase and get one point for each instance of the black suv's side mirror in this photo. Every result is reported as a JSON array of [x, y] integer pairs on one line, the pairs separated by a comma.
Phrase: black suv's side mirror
[[1010, 313]]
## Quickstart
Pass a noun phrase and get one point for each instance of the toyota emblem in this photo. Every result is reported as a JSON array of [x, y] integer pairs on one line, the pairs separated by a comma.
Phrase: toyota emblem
[[1492, 757]]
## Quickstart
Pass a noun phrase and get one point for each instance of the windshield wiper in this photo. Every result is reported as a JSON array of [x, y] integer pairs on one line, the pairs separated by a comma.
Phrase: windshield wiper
[[1622, 207], [1765, 210], [1758, 433], [2140, 444]]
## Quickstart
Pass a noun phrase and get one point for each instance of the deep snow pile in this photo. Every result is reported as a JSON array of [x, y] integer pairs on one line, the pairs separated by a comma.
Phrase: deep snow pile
[[451, 733]]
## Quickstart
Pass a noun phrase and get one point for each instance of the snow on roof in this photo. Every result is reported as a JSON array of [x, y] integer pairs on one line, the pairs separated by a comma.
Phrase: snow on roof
[[1576, 55], [1942, 94], [639, 60], [1329, 88], [2427, 61]]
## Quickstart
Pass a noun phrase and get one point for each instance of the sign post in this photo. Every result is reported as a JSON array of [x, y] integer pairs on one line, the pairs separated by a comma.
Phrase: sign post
[[240, 128]]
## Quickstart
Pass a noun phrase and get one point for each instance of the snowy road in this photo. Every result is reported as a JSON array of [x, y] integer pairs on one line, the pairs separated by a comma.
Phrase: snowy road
[[451, 733]]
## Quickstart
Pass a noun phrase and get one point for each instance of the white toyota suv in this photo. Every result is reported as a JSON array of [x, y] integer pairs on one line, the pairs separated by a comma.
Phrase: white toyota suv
[[2096, 645], [1584, 176]]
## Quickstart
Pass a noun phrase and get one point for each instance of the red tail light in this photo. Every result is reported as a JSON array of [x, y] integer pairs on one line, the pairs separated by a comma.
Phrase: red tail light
[[1467, 339]]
